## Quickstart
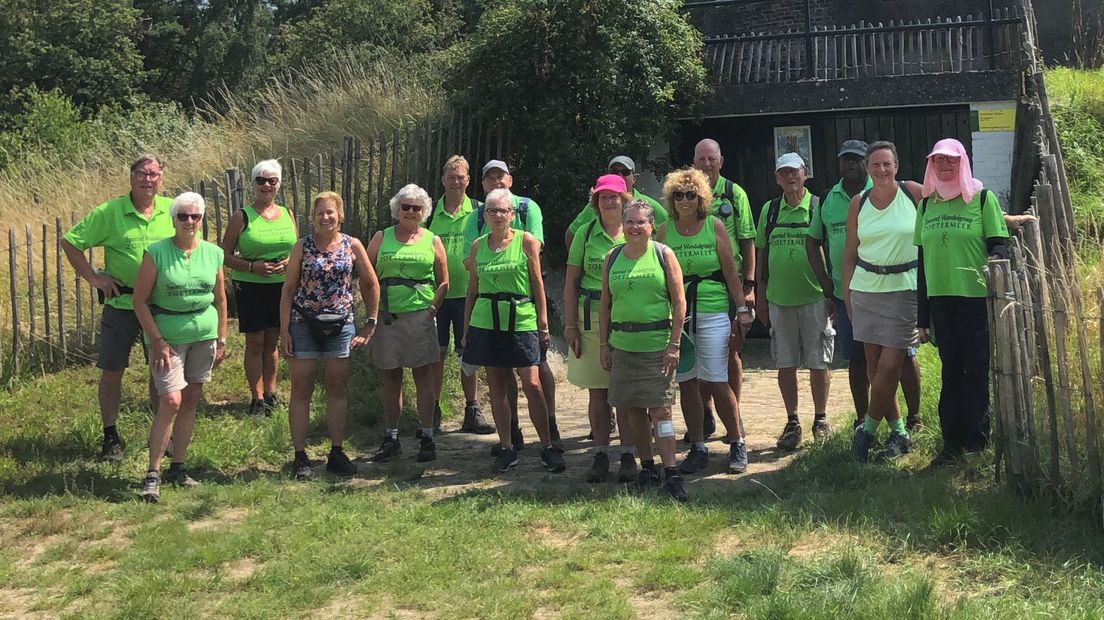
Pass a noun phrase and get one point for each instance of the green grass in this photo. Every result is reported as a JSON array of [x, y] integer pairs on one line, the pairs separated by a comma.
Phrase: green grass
[[825, 537], [1077, 103]]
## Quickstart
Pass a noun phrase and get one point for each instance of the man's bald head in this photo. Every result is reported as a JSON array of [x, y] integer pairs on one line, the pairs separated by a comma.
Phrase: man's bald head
[[708, 158]]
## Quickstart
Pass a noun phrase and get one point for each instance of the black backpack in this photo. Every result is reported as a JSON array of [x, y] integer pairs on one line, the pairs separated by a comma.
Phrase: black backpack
[[772, 222], [728, 201], [522, 210]]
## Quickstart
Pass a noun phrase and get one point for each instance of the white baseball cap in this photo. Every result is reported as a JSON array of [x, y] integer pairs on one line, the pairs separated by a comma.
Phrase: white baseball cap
[[789, 160]]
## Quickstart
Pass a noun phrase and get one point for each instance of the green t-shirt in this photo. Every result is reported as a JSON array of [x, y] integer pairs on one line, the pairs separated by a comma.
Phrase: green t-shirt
[[790, 281], [265, 240], [697, 255], [735, 212], [124, 236], [506, 271], [830, 221], [953, 235], [638, 290], [450, 228], [413, 261], [587, 214], [534, 223], [588, 252], [185, 287]]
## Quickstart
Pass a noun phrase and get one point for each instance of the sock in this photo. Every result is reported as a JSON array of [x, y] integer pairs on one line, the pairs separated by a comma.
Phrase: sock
[[700, 445], [670, 472], [819, 416], [647, 464], [427, 433], [792, 417], [110, 432], [870, 425], [393, 433], [898, 426], [599, 450], [301, 455], [470, 403]]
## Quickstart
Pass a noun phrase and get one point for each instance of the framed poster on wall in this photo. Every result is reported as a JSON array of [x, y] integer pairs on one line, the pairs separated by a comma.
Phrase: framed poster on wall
[[796, 139]]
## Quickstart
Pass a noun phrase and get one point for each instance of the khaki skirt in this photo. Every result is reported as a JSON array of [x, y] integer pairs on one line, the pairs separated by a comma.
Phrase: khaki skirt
[[586, 371], [637, 380], [410, 341], [885, 319]]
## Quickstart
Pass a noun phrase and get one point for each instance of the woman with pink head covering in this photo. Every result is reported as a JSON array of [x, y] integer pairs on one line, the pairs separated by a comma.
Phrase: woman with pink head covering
[[959, 225]]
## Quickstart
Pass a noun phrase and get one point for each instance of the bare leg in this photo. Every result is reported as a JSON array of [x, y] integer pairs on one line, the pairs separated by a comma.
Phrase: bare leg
[[498, 382], [693, 411], [665, 444], [728, 410], [424, 394], [820, 382], [641, 429], [185, 421], [302, 388], [787, 385], [626, 437], [910, 385], [111, 395], [598, 410], [538, 407], [254, 363], [271, 359], [885, 365], [337, 397], [392, 396], [162, 425], [548, 386]]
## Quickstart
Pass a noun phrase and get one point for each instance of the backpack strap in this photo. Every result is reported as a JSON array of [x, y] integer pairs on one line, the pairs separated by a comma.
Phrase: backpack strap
[[432, 212], [523, 210], [728, 198], [772, 217], [480, 218]]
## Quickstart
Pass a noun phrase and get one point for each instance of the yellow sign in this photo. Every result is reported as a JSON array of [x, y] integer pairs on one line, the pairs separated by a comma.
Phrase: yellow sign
[[997, 120]]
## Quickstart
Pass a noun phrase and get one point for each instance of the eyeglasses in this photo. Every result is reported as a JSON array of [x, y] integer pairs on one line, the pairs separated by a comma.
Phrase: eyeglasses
[[945, 159], [687, 195], [406, 207], [273, 181], [146, 174], [637, 222], [184, 217], [497, 211], [625, 172]]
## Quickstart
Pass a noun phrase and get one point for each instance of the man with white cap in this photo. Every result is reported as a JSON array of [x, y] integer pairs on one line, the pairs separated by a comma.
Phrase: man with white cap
[[527, 217], [790, 299], [624, 167]]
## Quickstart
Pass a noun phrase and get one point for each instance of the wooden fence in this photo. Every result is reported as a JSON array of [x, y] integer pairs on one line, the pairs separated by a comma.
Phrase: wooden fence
[[50, 316], [918, 47]]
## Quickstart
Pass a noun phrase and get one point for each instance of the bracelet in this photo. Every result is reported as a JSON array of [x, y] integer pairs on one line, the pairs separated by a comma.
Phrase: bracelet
[[676, 345], [250, 266], [567, 327], [603, 344], [748, 282], [543, 331]]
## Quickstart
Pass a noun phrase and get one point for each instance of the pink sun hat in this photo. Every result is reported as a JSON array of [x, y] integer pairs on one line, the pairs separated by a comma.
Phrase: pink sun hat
[[610, 183], [964, 184]]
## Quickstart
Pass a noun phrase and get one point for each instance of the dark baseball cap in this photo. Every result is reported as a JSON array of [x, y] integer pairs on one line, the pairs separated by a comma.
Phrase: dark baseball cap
[[853, 147]]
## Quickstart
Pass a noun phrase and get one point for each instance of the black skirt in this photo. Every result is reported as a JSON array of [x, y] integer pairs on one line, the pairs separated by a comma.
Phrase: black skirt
[[487, 347], [258, 305]]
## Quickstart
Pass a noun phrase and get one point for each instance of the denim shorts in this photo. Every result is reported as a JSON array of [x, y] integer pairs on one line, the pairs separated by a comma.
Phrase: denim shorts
[[305, 346]]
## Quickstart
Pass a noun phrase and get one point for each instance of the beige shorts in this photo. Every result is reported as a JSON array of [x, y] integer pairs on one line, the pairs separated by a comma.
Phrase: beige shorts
[[188, 363], [801, 333]]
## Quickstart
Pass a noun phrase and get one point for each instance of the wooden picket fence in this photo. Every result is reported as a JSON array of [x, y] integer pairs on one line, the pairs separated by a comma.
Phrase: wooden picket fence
[[50, 316]]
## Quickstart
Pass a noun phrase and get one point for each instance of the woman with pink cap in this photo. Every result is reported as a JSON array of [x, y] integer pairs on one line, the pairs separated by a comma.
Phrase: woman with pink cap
[[582, 294], [958, 226]]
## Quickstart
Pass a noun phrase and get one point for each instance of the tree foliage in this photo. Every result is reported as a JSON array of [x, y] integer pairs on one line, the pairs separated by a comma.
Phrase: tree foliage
[[575, 81]]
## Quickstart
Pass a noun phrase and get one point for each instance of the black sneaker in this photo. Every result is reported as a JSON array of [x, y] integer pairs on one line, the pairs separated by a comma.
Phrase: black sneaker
[[695, 461], [179, 476], [627, 469], [860, 444], [301, 468], [599, 469], [790, 438], [737, 457], [896, 445], [338, 463], [111, 451], [504, 460], [552, 460], [554, 435], [427, 450], [474, 422], [257, 408], [913, 423], [151, 488], [676, 489], [271, 402], [647, 479], [389, 449], [943, 459], [821, 430]]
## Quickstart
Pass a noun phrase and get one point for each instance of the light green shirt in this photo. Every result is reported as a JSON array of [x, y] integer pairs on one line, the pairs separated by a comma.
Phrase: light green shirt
[[588, 253], [265, 240], [735, 212], [790, 281], [450, 228], [638, 289], [885, 238], [533, 224], [185, 287], [412, 261], [953, 235], [505, 271], [830, 223], [587, 214]]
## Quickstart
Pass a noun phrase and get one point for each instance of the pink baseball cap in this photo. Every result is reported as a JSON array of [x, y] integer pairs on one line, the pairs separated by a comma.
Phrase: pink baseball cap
[[609, 183]]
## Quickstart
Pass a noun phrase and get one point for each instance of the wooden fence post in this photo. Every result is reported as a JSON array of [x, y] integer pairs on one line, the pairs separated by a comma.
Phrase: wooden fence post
[[62, 336], [12, 276]]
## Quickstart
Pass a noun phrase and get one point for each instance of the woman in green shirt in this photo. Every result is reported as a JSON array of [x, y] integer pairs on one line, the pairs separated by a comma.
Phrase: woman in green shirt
[[582, 290], [257, 242], [411, 266], [642, 298], [180, 301]]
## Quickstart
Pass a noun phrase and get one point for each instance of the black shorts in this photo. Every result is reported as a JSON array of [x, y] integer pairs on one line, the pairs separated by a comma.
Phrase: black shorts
[[495, 349], [119, 329], [451, 314], [258, 305]]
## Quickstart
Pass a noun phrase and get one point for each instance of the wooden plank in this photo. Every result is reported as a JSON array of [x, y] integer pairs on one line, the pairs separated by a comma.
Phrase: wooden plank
[[358, 196], [333, 171], [293, 193], [62, 337], [14, 296], [31, 310], [46, 295]]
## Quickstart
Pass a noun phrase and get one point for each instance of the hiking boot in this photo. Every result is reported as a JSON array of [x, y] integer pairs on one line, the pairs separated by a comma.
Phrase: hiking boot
[[301, 469], [271, 402], [338, 463], [151, 488], [913, 423], [695, 461], [554, 435], [647, 479], [856, 423], [627, 469], [676, 489], [427, 450], [821, 430], [504, 460], [860, 444], [790, 438], [436, 417], [599, 469], [896, 445], [257, 408], [111, 451], [390, 448], [552, 460], [944, 458], [474, 422], [179, 477], [737, 457]]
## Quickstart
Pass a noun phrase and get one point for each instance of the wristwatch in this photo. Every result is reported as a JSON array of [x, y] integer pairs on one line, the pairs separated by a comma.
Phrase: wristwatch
[[221, 342], [370, 321]]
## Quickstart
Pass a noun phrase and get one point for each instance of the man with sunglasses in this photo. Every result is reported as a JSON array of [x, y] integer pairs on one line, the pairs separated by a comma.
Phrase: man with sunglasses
[[124, 227], [623, 166]]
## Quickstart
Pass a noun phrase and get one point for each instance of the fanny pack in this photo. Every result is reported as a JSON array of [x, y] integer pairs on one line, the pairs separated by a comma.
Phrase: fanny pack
[[323, 325]]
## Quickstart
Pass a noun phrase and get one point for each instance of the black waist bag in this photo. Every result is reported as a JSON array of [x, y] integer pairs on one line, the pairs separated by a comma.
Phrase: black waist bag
[[322, 325]]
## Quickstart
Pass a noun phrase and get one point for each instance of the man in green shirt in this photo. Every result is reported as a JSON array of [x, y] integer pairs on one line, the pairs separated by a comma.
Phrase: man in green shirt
[[123, 227], [624, 167], [789, 297], [447, 220], [730, 203]]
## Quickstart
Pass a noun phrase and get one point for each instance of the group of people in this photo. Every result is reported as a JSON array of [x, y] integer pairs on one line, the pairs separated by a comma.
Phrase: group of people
[[657, 294]]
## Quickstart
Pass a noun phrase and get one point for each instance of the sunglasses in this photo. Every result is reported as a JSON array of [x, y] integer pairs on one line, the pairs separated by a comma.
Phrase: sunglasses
[[184, 217], [406, 207], [687, 195], [273, 181], [624, 172]]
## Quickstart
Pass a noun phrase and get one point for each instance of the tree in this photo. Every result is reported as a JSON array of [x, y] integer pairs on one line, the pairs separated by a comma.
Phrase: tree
[[576, 81]]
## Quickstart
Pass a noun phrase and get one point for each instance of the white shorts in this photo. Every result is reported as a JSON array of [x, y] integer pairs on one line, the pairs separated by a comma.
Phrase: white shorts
[[801, 333], [188, 363], [710, 349]]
